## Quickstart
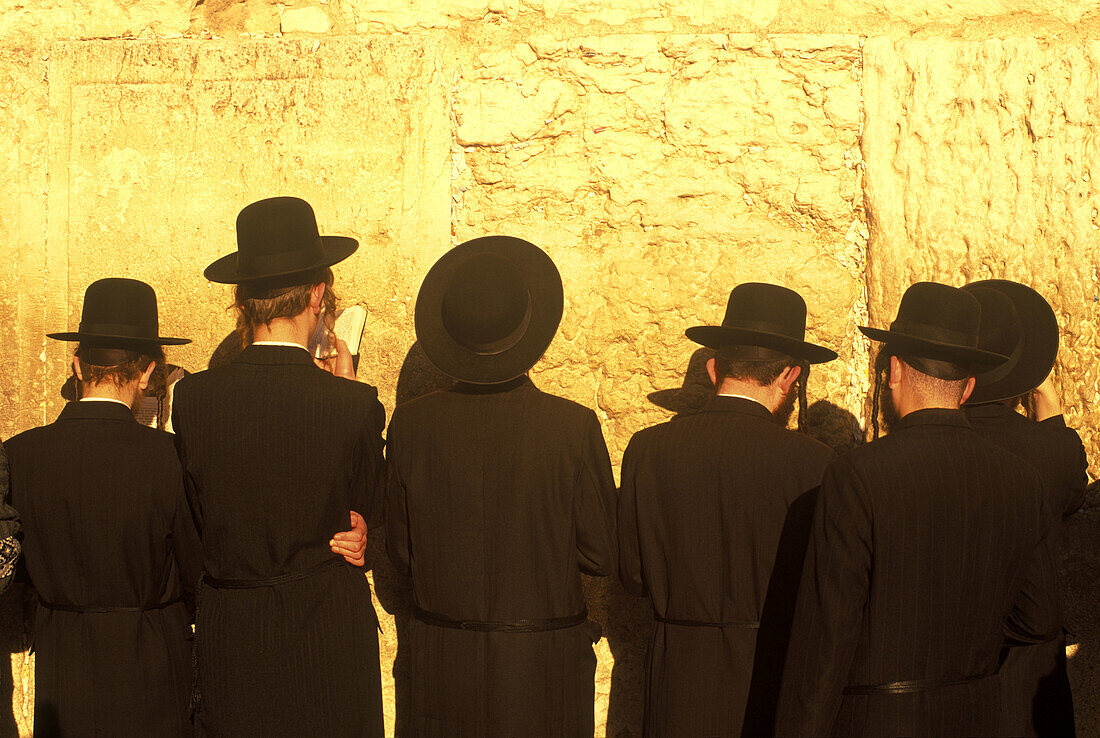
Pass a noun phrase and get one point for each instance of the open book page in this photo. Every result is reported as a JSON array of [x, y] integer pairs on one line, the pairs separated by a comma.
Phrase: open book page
[[348, 328], [146, 409]]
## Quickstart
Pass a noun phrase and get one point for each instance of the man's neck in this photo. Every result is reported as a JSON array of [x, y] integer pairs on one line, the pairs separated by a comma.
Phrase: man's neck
[[907, 405], [285, 330], [127, 394], [750, 390]]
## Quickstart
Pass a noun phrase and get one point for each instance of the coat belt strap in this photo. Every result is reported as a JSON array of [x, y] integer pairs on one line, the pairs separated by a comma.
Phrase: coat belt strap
[[512, 626], [62, 607], [271, 581], [749, 624], [914, 685]]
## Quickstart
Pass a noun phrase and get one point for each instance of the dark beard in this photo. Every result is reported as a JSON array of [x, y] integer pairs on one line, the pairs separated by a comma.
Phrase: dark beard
[[889, 410], [786, 407]]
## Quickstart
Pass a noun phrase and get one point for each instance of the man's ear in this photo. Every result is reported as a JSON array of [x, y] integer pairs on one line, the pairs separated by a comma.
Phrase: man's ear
[[143, 382], [897, 372], [712, 372], [76, 368], [967, 390], [316, 296], [788, 377]]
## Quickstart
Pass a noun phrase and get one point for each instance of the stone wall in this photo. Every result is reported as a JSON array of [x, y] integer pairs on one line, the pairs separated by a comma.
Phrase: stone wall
[[660, 152]]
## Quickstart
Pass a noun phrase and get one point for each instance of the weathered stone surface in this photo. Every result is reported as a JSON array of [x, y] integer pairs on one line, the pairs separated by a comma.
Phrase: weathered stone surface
[[29, 23], [660, 171], [307, 19], [980, 159]]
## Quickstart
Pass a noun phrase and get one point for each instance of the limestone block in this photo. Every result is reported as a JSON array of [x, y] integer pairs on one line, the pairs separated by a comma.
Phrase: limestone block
[[24, 123], [27, 23], [158, 145], [307, 19], [980, 162]]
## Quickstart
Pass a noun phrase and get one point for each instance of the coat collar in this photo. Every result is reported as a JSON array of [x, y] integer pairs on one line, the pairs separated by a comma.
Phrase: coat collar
[[275, 355], [989, 410], [96, 411], [464, 388], [740, 405], [932, 416]]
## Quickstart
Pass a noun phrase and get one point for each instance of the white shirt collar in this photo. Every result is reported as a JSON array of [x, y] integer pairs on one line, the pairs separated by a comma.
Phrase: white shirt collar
[[744, 397], [104, 399], [289, 344]]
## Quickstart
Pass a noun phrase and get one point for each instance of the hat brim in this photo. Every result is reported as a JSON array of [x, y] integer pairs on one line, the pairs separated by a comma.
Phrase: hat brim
[[1028, 368], [334, 249], [130, 340], [717, 337], [546, 299], [965, 357]]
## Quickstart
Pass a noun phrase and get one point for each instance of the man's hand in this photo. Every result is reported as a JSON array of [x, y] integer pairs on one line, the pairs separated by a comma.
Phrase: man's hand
[[1043, 401], [340, 365], [352, 544]]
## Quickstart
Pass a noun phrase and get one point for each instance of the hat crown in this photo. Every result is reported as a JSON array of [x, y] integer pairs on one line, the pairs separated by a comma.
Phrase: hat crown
[[999, 329], [120, 306], [277, 229], [759, 306], [486, 305], [939, 312]]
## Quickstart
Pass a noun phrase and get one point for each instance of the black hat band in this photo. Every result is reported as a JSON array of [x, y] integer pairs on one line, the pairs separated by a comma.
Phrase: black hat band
[[764, 326], [120, 330], [751, 353], [934, 333], [302, 259]]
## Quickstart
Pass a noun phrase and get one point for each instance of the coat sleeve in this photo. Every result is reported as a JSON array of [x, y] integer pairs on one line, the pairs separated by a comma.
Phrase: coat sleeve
[[370, 479], [1036, 616], [180, 430], [10, 527], [186, 547], [395, 510], [829, 611], [1076, 479], [594, 504], [630, 554]]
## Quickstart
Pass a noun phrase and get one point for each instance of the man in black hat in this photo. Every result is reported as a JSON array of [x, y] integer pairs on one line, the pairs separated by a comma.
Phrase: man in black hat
[[1018, 322], [275, 452], [498, 497], [702, 508], [927, 547], [108, 537]]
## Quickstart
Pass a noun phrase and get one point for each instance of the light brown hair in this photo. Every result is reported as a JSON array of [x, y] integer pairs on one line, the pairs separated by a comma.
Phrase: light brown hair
[[259, 304]]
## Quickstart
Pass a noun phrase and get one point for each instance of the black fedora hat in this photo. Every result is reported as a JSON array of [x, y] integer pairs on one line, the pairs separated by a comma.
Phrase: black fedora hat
[[278, 238], [119, 313], [488, 309], [762, 322], [938, 322], [1019, 322]]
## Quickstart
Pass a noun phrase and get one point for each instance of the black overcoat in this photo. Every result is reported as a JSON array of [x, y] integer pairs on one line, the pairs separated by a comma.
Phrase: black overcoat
[[702, 508], [926, 547], [106, 526], [9, 527], [1037, 698], [276, 452], [498, 498]]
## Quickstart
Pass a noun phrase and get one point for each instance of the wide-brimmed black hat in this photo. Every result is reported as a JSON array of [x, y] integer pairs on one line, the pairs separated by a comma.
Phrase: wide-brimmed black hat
[[762, 322], [488, 309], [119, 313], [278, 238], [939, 322], [1019, 322]]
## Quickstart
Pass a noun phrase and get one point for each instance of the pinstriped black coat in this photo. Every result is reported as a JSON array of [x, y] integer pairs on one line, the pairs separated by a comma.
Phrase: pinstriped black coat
[[1037, 699], [702, 511], [927, 546], [106, 524], [498, 498], [276, 452]]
